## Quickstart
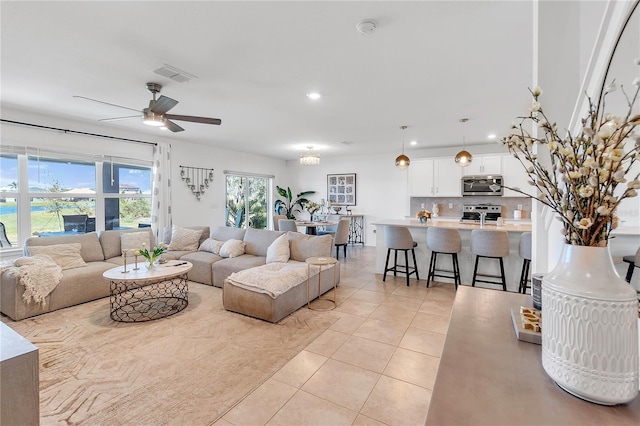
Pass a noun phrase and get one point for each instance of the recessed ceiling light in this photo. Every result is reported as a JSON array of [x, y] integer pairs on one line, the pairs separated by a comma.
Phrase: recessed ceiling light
[[313, 95], [491, 136], [413, 143]]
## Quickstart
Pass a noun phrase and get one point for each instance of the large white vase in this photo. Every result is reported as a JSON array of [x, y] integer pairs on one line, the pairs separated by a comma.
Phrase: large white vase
[[590, 327]]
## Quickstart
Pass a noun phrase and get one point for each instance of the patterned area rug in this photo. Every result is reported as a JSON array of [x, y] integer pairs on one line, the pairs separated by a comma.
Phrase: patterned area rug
[[189, 368]]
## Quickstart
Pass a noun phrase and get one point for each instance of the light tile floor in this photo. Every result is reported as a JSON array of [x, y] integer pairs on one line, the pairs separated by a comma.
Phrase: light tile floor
[[376, 365]]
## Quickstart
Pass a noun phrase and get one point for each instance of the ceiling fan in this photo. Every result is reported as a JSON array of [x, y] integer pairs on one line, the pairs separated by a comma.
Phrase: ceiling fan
[[156, 113]]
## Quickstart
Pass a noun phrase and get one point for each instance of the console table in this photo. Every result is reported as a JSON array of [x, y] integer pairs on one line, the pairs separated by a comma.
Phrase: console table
[[488, 376], [356, 226]]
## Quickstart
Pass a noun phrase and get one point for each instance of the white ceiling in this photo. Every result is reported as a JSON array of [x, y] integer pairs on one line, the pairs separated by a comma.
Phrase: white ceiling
[[427, 65]]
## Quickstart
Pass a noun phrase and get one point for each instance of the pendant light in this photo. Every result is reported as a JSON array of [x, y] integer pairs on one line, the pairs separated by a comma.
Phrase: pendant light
[[402, 161], [464, 157]]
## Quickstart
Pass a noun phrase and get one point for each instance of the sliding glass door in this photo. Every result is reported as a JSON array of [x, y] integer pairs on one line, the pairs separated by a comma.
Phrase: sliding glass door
[[247, 198]]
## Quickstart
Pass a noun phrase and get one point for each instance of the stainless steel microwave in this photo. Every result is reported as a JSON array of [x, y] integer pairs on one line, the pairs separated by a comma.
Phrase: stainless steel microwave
[[482, 185]]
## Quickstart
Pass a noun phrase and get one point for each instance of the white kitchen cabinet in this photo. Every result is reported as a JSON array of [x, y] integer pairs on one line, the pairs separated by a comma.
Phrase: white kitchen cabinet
[[515, 176], [429, 177], [484, 165]]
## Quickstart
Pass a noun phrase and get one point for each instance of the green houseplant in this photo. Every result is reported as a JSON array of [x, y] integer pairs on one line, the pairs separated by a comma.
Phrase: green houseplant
[[288, 206]]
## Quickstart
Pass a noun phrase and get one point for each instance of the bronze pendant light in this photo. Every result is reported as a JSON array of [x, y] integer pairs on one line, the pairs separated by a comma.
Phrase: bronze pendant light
[[464, 157], [402, 161]]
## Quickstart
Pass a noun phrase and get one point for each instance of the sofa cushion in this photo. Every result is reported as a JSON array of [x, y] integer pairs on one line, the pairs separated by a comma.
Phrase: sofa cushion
[[201, 270], [224, 233], [258, 240], [222, 269], [110, 240], [278, 251], [134, 240], [67, 256], [184, 238], [91, 250], [304, 246], [166, 233], [232, 248], [211, 245]]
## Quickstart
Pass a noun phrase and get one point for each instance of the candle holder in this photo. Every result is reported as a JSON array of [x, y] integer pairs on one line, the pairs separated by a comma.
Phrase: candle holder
[[135, 259], [124, 255]]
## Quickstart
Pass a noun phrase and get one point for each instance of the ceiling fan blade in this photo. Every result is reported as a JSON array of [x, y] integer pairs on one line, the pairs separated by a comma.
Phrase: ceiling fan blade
[[173, 126], [105, 103], [203, 120], [162, 105], [120, 118]]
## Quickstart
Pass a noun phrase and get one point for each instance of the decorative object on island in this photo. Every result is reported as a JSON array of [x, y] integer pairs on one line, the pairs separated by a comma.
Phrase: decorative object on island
[[435, 209], [423, 215], [309, 157], [402, 161], [196, 178], [341, 189], [464, 157], [151, 256], [289, 206], [590, 328]]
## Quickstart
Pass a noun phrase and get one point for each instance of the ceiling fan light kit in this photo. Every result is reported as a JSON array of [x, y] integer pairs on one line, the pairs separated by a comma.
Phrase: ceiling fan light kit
[[464, 157], [309, 157], [402, 161]]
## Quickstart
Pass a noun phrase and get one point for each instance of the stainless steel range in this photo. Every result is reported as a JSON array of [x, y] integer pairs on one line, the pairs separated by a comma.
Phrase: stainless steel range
[[472, 213]]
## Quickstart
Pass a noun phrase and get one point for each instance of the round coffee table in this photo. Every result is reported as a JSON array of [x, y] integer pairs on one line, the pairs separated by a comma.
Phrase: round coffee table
[[320, 262], [145, 295]]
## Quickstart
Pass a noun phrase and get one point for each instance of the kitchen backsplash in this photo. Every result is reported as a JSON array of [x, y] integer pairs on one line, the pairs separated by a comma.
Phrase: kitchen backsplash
[[509, 205]]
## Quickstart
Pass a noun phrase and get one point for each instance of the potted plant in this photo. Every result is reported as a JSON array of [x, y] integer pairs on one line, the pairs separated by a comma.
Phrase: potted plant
[[589, 329], [289, 206]]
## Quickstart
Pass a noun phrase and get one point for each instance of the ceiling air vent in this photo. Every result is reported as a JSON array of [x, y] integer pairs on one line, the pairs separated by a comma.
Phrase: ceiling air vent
[[174, 73]]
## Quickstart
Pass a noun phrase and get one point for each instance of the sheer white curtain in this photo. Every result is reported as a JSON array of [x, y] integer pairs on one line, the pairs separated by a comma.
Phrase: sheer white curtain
[[161, 198]]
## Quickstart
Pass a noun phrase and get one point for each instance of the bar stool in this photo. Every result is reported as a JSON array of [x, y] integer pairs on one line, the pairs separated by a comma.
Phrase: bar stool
[[398, 238], [525, 254], [634, 262], [493, 245], [444, 241]]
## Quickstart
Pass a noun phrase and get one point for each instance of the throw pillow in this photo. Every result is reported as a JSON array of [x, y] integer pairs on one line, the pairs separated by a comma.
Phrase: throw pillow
[[211, 245], [278, 251], [184, 239], [67, 256], [232, 248], [130, 241], [304, 246]]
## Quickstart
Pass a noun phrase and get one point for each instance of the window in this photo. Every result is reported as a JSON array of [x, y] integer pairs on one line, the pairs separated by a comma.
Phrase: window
[[9, 199], [247, 198], [64, 195]]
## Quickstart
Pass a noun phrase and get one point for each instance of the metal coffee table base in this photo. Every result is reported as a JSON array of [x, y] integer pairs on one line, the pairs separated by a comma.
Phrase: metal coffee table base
[[145, 301]]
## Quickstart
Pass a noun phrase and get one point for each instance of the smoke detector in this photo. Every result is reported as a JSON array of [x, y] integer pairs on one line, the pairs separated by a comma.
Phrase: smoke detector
[[367, 26]]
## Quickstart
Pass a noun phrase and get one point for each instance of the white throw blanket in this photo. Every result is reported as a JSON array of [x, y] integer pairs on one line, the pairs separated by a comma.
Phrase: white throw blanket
[[39, 275], [273, 279]]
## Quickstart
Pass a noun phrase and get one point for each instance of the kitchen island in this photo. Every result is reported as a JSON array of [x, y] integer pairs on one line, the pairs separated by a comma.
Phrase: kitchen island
[[512, 263]]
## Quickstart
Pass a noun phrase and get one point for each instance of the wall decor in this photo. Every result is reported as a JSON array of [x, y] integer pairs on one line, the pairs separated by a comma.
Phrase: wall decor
[[196, 178], [341, 189]]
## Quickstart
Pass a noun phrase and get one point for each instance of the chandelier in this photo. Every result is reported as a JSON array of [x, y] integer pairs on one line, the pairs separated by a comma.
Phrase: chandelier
[[309, 157], [464, 157]]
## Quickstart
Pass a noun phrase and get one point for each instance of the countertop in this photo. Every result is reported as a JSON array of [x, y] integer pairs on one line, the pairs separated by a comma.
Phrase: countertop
[[487, 376], [509, 226]]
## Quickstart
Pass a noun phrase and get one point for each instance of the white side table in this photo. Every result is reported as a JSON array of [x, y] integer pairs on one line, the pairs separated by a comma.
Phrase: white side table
[[320, 262]]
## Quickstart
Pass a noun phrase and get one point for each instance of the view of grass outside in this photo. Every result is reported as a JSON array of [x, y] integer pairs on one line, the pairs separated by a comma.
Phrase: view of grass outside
[[71, 185]]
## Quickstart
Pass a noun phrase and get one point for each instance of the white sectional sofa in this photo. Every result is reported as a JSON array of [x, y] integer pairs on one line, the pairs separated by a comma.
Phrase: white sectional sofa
[[100, 253]]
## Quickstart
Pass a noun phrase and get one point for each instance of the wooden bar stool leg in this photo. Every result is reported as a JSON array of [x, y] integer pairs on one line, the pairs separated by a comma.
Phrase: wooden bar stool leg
[[415, 264], [395, 264], [406, 265], [456, 270], [431, 267]]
